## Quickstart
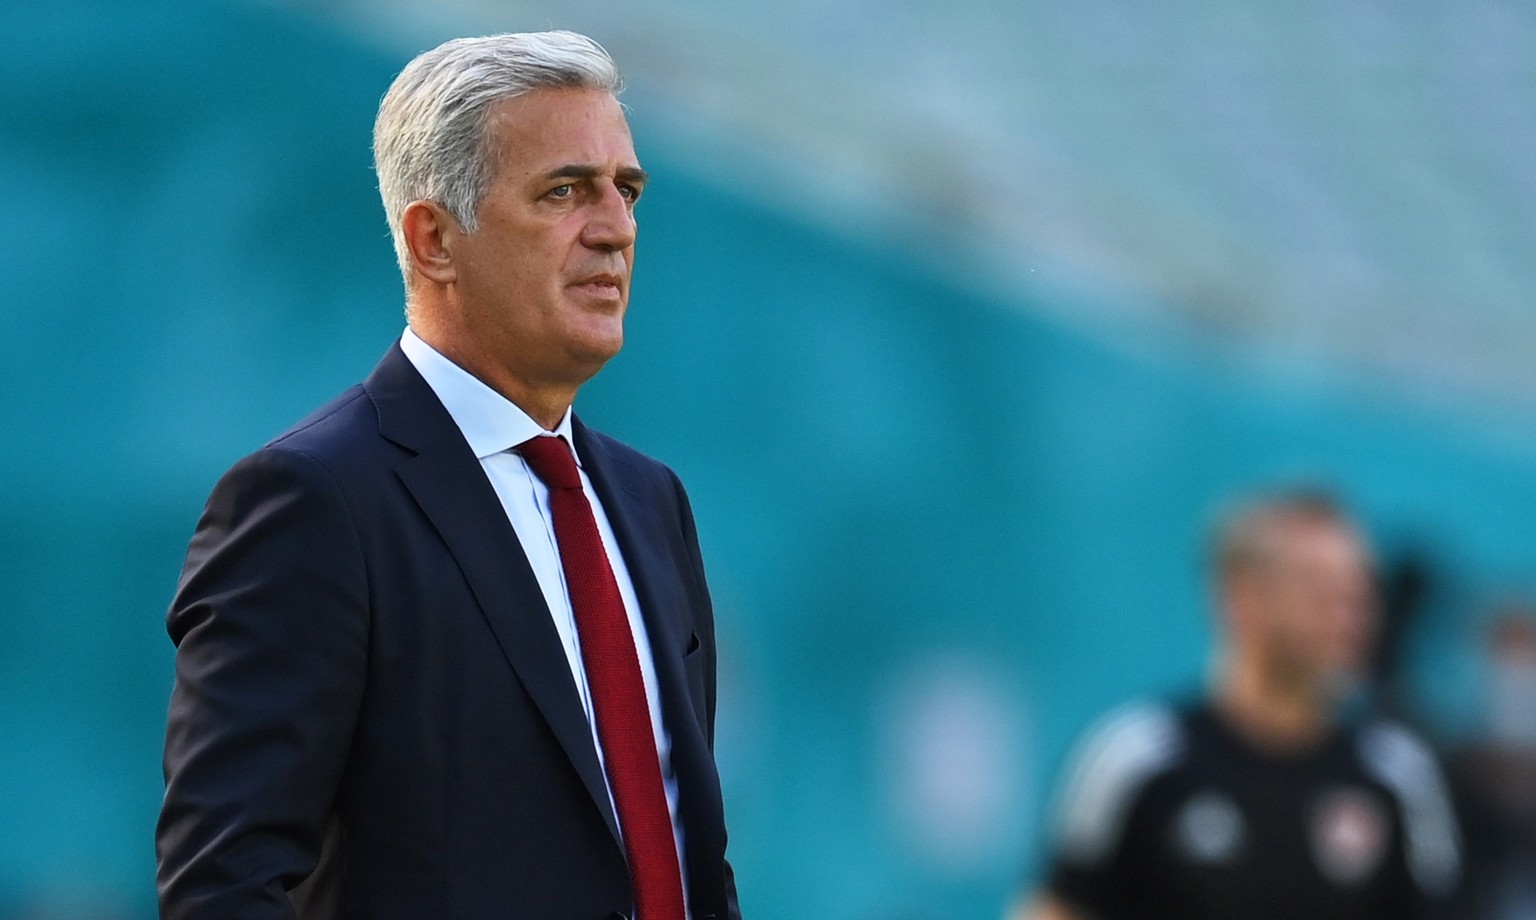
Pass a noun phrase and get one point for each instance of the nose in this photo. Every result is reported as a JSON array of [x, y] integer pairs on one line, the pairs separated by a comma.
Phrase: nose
[[610, 224]]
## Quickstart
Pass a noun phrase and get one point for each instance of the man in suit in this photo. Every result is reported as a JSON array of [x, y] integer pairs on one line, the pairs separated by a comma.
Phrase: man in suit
[[444, 652]]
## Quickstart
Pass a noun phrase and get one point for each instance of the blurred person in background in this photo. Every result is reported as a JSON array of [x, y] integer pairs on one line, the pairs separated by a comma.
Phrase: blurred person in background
[[442, 650], [1262, 800], [1494, 775]]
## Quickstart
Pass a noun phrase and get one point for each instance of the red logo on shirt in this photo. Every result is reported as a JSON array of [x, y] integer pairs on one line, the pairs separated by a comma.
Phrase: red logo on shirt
[[1349, 835]]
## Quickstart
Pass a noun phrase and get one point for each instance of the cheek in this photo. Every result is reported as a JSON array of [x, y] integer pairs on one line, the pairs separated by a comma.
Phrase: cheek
[[1357, 629], [1348, 632]]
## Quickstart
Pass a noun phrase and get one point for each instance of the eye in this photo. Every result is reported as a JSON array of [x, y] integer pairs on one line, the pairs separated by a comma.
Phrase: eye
[[562, 191]]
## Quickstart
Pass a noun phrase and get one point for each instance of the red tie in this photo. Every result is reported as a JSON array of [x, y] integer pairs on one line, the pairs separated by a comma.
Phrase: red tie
[[618, 693]]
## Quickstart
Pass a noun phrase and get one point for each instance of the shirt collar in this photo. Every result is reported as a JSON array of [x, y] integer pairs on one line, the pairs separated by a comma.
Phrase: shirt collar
[[490, 422]]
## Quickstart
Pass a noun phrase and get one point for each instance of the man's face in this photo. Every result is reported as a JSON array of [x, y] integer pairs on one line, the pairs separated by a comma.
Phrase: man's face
[[543, 281], [1317, 602]]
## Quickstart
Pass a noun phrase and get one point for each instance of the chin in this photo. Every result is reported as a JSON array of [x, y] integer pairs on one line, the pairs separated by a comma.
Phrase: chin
[[596, 352], [1341, 685]]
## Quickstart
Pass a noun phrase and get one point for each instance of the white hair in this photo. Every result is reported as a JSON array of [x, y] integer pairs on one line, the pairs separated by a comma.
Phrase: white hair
[[431, 140]]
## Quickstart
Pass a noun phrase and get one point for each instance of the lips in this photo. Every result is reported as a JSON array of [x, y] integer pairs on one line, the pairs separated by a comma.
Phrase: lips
[[603, 284]]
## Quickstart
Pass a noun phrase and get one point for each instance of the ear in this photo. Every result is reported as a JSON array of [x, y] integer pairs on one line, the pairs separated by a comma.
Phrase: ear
[[429, 232]]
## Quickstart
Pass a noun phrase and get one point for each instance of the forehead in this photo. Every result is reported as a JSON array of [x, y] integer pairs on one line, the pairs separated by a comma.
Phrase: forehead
[[549, 128], [1319, 542]]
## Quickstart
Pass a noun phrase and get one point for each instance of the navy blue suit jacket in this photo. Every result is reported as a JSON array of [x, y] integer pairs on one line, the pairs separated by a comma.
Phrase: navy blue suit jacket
[[373, 716]]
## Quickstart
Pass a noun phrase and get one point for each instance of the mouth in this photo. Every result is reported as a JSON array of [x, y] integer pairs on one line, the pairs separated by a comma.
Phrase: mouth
[[604, 285]]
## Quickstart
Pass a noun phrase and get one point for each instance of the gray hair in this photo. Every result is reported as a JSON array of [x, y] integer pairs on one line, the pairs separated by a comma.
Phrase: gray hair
[[430, 140]]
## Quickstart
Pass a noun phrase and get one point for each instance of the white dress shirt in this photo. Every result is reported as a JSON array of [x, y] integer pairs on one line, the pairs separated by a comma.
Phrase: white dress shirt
[[493, 426]]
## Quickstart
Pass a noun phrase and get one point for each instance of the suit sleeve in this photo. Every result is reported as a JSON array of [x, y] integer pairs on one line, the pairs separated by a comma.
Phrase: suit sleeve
[[270, 623]]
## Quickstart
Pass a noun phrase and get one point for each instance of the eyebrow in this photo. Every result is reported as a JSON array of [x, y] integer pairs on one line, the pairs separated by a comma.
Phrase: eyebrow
[[632, 174]]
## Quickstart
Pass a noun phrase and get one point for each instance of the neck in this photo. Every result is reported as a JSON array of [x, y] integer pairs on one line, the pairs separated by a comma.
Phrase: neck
[[1275, 711], [547, 406], [545, 403]]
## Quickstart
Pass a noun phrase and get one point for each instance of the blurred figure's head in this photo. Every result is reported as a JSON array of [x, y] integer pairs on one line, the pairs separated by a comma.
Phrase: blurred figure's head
[[1295, 591], [1511, 660]]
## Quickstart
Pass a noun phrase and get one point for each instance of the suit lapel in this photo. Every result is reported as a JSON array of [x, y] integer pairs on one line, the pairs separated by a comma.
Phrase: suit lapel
[[447, 482], [669, 631], [627, 514]]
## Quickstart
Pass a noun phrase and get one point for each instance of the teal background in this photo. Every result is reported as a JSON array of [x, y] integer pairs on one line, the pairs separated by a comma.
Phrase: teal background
[[901, 481]]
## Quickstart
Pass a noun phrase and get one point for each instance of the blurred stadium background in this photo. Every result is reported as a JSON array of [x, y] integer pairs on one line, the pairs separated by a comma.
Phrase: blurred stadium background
[[957, 319]]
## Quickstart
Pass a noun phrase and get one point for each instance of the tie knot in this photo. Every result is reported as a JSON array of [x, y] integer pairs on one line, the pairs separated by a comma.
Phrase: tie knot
[[551, 460]]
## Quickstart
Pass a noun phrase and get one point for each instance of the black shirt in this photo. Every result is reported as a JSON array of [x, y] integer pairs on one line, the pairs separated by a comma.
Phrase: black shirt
[[1168, 814]]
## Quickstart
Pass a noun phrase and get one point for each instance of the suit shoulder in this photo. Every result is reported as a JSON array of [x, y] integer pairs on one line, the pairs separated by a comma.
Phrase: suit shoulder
[[335, 445], [619, 451], [341, 436], [332, 425]]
